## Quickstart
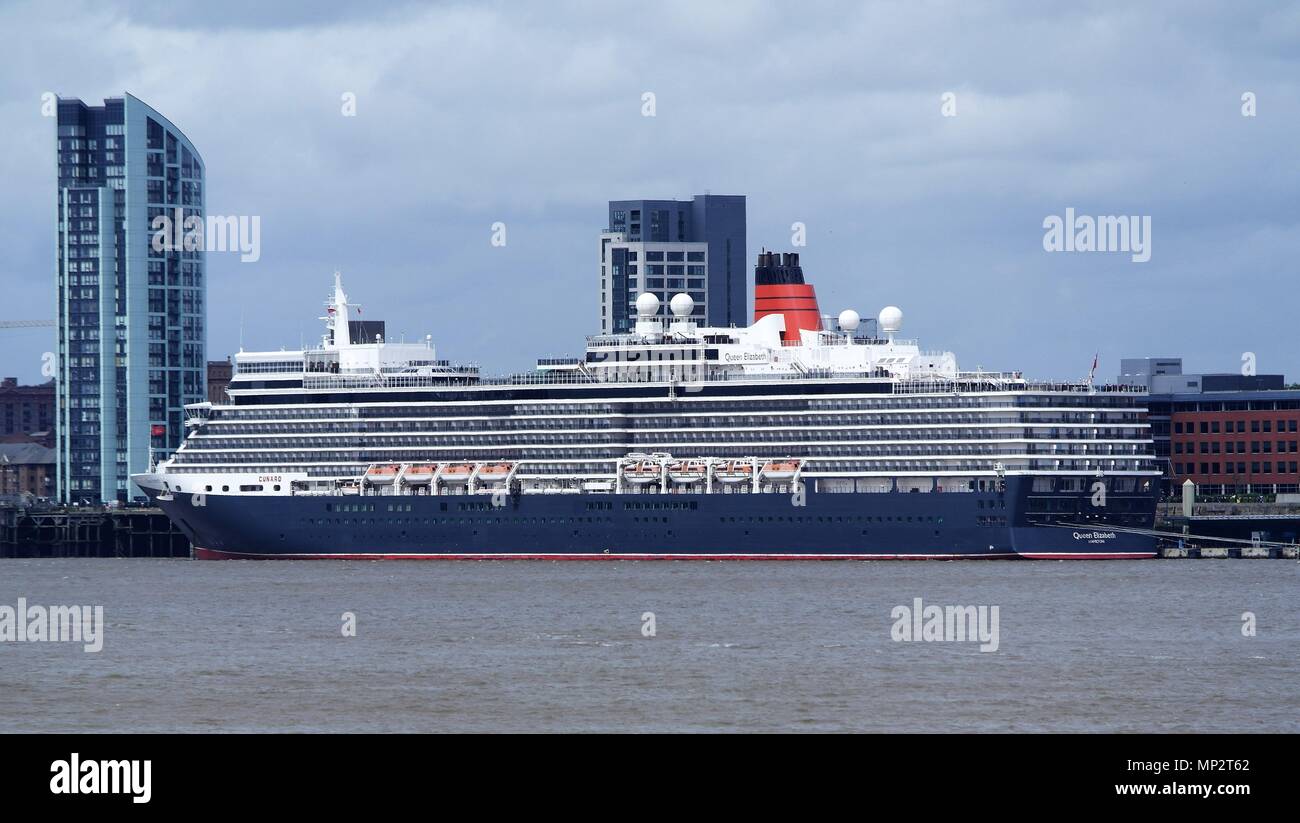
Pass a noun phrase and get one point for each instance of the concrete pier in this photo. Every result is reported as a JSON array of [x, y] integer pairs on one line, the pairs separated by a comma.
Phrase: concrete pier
[[1216, 529], [1227, 552]]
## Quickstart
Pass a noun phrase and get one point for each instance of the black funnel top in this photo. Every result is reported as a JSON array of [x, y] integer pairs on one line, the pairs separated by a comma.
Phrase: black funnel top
[[777, 269]]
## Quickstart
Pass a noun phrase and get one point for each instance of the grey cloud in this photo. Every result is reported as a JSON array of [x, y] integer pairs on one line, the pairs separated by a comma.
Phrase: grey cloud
[[529, 114]]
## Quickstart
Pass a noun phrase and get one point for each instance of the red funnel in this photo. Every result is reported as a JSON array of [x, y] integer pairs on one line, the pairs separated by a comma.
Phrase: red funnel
[[779, 289]]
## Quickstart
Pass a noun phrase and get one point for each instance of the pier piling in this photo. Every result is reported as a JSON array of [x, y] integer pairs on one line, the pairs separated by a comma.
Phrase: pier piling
[[89, 532]]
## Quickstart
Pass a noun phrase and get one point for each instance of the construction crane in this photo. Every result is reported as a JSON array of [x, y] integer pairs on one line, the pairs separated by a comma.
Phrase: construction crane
[[26, 324]]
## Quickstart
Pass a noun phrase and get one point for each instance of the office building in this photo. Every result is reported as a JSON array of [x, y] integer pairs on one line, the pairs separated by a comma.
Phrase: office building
[[664, 247]]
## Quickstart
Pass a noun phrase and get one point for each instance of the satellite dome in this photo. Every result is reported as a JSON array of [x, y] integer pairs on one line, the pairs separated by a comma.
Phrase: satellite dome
[[681, 305], [647, 304], [849, 320], [890, 319]]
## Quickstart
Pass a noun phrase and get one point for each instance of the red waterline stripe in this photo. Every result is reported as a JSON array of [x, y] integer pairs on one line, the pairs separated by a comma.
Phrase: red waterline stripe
[[1087, 555]]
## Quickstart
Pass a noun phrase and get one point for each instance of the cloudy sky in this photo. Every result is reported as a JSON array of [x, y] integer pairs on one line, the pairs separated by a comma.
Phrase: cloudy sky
[[825, 114]]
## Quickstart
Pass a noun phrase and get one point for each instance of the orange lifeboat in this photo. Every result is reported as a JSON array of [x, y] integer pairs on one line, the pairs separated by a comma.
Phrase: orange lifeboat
[[688, 471], [381, 475], [419, 475], [734, 471], [495, 472], [640, 470], [457, 473], [779, 470]]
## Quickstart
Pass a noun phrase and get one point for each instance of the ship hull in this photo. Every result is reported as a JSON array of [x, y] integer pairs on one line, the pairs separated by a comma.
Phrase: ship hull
[[647, 526]]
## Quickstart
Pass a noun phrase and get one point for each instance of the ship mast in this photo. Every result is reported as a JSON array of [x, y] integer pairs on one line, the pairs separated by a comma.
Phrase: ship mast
[[336, 319]]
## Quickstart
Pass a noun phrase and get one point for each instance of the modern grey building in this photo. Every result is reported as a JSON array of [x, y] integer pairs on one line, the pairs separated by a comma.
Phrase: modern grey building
[[1155, 373], [130, 319], [1164, 375], [664, 247]]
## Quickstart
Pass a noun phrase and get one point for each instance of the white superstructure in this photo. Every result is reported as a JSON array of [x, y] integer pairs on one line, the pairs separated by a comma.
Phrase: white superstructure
[[673, 406]]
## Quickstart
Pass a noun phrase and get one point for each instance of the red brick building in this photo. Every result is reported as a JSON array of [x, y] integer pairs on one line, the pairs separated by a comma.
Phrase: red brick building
[[27, 412], [1246, 442], [219, 374], [26, 468]]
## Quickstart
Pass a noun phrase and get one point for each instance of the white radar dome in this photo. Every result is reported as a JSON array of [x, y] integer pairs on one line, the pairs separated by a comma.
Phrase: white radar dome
[[849, 320], [647, 304], [890, 319], [681, 305]]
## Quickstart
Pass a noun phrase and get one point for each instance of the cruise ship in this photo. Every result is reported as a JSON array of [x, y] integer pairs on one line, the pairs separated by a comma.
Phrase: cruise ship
[[801, 436]]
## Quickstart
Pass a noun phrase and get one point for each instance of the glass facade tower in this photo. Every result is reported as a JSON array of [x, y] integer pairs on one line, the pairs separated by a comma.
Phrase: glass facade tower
[[130, 319]]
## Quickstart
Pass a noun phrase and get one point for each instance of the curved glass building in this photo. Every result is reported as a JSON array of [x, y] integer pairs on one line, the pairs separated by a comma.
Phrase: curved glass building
[[130, 318]]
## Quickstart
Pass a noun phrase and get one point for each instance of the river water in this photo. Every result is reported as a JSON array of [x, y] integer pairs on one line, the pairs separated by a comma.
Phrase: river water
[[755, 646]]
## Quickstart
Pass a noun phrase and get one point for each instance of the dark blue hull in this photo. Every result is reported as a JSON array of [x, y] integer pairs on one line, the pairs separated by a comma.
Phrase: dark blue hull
[[993, 524]]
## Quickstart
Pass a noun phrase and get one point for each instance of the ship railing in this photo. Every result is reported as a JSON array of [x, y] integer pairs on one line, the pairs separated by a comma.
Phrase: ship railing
[[684, 372], [834, 338], [625, 373], [609, 341], [1083, 387], [244, 367], [1007, 381]]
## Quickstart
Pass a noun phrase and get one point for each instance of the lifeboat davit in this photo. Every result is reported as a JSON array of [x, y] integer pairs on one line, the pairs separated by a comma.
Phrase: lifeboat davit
[[778, 470], [734, 471], [381, 475], [494, 472], [457, 473], [418, 475], [641, 470], [688, 471]]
